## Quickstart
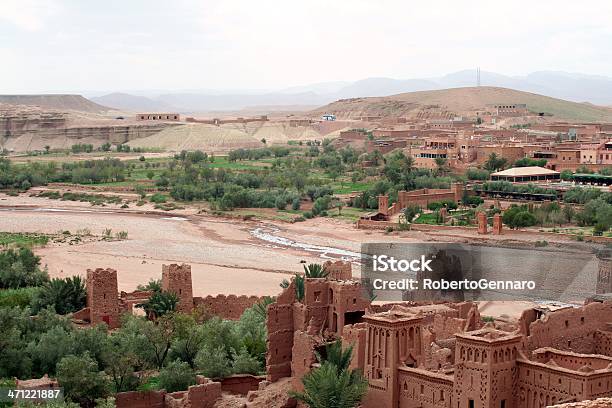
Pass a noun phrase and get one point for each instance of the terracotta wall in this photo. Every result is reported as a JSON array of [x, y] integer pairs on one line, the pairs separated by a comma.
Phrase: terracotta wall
[[227, 306], [570, 329], [241, 383], [140, 399]]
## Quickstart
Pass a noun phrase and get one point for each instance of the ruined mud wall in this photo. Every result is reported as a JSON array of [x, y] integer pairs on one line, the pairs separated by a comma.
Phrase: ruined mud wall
[[203, 395], [279, 322], [227, 306], [241, 383], [570, 329], [140, 399]]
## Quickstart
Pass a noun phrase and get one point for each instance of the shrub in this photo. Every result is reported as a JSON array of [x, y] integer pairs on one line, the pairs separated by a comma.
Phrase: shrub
[[176, 376], [280, 203], [295, 205], [472, 201], [81, 379], [244, 363], [158, 198], [20, 268], [18, 297], [436, 205], [213, 362]]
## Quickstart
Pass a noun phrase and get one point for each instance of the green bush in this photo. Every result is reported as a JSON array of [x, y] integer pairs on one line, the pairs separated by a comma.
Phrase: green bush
[[213, 362], [158, 198], [176, 376], [436, 205], [21, 297], [82, 381], [20, 268]]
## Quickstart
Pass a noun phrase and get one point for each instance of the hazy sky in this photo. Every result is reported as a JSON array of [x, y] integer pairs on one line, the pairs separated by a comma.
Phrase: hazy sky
[[63, 45]]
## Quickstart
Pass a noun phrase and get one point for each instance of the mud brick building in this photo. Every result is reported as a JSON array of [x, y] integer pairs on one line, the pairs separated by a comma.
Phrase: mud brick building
[[443, 355]]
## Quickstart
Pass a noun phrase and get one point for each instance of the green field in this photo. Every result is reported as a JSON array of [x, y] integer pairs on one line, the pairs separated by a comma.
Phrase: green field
[[23, 239]]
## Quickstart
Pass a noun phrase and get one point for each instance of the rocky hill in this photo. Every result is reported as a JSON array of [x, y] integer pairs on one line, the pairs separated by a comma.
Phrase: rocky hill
[[463, 100], [56, 102]]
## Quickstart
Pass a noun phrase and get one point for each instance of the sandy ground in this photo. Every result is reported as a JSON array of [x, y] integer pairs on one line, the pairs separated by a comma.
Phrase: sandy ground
[[226, 255]]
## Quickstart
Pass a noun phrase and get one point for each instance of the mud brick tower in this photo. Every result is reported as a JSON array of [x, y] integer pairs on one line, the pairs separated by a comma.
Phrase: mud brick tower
[[485, 366], [102, 298], [482, 222], [177, 279], [383, 204], [391, 340], [497, 224]]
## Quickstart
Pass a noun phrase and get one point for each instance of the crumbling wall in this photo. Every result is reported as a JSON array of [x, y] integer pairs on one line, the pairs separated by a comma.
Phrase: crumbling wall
[[338, 270], [355, 335], [445, 327], [302, 357], [140, 399], [571, 329], [241, 383], [202, 395], [227, 306], [348, 301], [279, 323]]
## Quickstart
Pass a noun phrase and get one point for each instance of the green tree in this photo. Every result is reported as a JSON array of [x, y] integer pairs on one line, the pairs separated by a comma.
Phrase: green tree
[[213, 362], [333, 384], [315, 271], [82, 381], [245, 363], [154, 285], [159, 304], [568, 212], [20, 268], [66, 295], [495, 163], [159, 337], [190, 337], [176, 376]]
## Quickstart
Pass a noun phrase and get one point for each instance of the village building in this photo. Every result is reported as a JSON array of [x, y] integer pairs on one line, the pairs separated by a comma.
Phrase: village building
[[526, 174]]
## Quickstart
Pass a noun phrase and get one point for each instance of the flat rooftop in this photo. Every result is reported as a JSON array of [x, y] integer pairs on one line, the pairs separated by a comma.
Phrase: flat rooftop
[[525, 172]]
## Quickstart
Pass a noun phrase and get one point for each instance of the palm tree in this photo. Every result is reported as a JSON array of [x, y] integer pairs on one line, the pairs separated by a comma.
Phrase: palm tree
[[315, 271], [65, 295], [261, 307], [159, 304], [336, 355], [333, 384]]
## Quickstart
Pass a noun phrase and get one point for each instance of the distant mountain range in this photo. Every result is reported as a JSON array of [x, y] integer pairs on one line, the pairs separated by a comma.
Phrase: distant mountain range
[[569, 86]]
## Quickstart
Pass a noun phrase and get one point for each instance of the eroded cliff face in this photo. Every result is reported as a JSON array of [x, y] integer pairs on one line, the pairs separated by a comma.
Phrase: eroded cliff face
[[29, 128]]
